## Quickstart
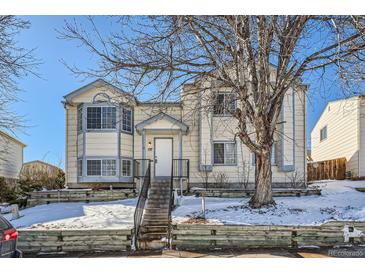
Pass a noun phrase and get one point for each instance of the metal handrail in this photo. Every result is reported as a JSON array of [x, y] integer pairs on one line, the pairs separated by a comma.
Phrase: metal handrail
[[143, 195], [180, 168]]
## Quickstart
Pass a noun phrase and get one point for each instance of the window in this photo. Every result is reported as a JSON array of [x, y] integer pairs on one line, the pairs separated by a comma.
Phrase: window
[[101, 167], [126, 168], [109, 168], [225, 104], [224, 153], [127, 120], [101, 118], [79, 167], [93, 167], [79, 118], [323, 133]]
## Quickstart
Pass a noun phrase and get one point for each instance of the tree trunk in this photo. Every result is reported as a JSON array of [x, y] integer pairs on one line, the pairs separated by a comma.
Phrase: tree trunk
[[263, 180]]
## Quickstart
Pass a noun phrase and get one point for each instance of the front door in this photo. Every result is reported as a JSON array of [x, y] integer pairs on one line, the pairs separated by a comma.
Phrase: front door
[[163, 157]]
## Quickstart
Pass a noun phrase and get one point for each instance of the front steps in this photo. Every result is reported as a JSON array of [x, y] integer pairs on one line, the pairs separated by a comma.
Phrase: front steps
[[155, 223]]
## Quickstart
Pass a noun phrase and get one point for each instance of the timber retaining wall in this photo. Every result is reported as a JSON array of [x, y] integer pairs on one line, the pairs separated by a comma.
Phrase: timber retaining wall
[[213, 236], [84, 195], [32, 241]]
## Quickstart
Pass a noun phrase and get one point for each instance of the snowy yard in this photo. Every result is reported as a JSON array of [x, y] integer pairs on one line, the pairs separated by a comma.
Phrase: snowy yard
[[96, 215], [339, 201]]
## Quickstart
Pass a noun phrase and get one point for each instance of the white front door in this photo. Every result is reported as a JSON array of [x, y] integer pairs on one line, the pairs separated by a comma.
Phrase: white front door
[[163, 157]]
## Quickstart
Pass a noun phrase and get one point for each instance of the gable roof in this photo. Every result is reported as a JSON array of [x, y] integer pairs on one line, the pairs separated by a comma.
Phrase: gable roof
[[41, 163], [8, 136], [183, 127], [96, 83]]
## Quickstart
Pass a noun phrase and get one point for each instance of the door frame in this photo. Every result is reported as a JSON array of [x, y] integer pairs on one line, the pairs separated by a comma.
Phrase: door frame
[[154, 157]]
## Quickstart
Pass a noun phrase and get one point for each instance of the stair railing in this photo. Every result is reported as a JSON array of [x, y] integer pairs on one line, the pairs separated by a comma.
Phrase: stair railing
[[180, 169], [142, 198]]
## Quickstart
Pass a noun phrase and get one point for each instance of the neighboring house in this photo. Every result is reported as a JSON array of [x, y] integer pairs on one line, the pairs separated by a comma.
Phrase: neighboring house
[[11, 156], [107, 129], [33, 169], [340, 132]]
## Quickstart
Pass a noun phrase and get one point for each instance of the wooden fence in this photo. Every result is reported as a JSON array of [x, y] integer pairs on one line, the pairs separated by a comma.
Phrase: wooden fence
[[213, 236], [331, 169]]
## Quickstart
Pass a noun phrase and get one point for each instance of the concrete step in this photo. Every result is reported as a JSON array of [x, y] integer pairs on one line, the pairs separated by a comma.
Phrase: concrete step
[[147, 229], [152, 245]]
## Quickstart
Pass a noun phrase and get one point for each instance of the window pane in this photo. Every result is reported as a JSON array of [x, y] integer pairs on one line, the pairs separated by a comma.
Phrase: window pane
[[93, 167], [219, 104], [127, 120], [79, 119], [126, 168], [79, 167], [94, 117], [219, 153], [109, 117], [109, 168], [230, 153], [230, 103]]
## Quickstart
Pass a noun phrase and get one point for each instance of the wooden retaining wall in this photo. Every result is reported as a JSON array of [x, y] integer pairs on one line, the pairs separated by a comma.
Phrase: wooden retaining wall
[[324, 170], [84, 195], [212, 236], [239, 193], [47, 241]]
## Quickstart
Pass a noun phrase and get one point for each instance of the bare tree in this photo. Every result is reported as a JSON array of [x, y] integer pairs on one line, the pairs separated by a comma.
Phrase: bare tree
[[15, 62], [259, 58]]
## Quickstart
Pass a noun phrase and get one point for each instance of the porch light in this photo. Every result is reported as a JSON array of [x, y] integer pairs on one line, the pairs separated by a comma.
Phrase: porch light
[[149, 146]]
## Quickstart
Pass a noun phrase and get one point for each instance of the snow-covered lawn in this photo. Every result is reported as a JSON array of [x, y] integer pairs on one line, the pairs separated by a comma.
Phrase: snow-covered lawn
[[339, 201], [96, 215]]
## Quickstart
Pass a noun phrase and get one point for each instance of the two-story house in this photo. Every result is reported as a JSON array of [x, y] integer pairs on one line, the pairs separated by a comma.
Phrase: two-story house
[[340, 132], [11, 157], [107, 130]]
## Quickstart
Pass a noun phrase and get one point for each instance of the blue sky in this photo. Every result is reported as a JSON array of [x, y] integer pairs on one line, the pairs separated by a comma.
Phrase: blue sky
[[45, 135]]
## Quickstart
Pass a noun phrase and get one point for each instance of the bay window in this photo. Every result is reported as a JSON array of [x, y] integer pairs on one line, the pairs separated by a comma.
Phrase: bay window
[[101, 118], [104, 167]]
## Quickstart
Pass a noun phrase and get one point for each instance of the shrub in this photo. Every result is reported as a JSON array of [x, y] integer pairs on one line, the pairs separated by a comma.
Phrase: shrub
[[8, 193]]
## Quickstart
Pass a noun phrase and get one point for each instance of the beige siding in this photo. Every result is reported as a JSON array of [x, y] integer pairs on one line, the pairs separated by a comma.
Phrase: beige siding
[[342, 120], [101, 144], [126, 145], [71, 144], [361, 153], [11, 158]]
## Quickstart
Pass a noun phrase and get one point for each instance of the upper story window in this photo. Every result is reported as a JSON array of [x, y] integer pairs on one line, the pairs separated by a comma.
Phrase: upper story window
[[323, 133], [126, 120], [225, 104], [101, 118], [224, 153]]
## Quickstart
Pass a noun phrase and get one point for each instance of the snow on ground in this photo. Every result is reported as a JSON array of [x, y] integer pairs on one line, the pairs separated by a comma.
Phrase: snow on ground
[[96, 215], [339, 201]]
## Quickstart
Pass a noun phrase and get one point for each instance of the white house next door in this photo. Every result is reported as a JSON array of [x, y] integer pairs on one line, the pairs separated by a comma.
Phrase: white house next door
[[163, 157]]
